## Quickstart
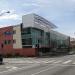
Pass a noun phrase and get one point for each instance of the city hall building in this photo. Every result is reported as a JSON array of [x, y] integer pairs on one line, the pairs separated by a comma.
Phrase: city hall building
[[33, 37]]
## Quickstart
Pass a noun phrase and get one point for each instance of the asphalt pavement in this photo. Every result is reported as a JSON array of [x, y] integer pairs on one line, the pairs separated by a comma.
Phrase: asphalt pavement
[[64, 65]]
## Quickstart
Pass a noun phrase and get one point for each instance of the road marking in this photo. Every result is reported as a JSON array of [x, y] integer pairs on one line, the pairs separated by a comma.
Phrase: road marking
[[20, 62], [16, 68], [8, 67], [34, 61], [31, 61], [57, 62], [46, 61], [50, 61], [44, 70], [66, 62], [73, 63]]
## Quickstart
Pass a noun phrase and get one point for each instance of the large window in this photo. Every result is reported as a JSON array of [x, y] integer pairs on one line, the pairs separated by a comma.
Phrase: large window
[[27, 41], [26, 38], [26, 31], [31, 36], [7, 42], [37, 34]]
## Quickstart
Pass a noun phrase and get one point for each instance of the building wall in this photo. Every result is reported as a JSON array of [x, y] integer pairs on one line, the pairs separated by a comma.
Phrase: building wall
[[33, 20], [28, 20], [6, 37], [33, 36], [13, 40], [58, 39], [17, 37], [25, 51], [21, 52]]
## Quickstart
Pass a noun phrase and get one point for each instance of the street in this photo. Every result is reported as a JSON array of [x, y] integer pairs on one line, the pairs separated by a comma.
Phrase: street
[[64, 65]]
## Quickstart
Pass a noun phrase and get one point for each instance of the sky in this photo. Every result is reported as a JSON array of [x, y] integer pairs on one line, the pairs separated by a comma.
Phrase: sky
[[59, 12]]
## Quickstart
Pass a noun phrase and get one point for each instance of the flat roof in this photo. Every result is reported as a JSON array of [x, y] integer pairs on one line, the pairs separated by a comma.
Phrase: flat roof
[[46, 21], [42, 19]]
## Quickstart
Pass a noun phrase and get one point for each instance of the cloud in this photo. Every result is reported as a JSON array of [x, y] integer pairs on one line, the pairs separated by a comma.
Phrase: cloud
[[30, 4], [4, 11], [37, 3], [11, 16], [32, 11], [60, 12]]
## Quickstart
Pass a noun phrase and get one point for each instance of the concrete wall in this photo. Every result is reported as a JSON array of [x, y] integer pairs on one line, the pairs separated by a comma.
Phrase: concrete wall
[[17, 37], [33, 20], [28, 20]]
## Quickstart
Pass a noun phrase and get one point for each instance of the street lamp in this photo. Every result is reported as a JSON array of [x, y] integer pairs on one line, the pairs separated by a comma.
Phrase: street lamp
[[4, 13], [1, 54]]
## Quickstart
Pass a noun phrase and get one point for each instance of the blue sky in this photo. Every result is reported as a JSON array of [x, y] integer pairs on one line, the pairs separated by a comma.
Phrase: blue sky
[[59, 12]]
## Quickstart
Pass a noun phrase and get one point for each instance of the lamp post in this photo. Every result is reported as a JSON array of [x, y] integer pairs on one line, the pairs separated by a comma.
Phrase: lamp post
[[2, 45], [1, 14]]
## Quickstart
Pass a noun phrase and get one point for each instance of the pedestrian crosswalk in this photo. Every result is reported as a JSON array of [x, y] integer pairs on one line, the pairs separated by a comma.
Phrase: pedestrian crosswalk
[[68, 61], [64, 62]]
